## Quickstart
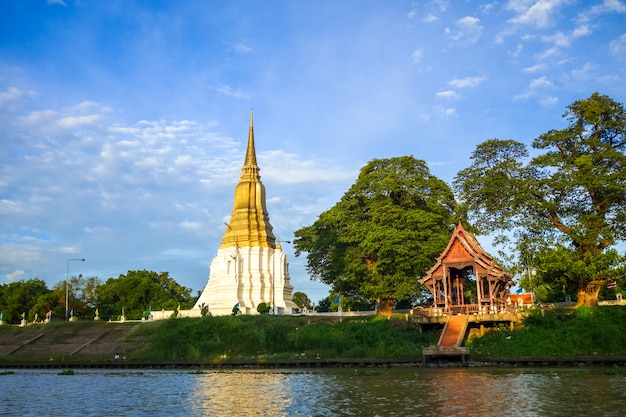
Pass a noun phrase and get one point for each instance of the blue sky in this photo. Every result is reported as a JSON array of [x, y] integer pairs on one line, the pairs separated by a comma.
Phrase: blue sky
[[123, 124]]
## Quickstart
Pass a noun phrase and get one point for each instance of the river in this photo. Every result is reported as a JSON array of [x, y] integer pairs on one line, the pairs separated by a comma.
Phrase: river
[[325, 392]]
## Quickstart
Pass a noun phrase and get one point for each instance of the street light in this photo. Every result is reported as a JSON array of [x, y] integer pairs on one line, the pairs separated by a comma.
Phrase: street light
[[67, 280]]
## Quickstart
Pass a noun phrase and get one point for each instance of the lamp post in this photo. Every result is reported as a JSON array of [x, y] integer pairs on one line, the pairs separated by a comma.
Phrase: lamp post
[[67, 281]]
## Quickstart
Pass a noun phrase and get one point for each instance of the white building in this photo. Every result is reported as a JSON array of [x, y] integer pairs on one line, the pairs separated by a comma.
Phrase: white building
[[250, 266]]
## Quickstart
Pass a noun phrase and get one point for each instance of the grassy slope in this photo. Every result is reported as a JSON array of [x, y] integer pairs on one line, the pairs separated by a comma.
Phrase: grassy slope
[[560, 332], [275, 337]]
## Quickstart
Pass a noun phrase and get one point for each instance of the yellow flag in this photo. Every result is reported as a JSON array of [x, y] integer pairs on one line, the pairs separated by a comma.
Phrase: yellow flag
[[23, 315], [178, 309], [97, 314]]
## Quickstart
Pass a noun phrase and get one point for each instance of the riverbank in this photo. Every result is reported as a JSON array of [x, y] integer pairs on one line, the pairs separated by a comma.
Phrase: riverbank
[[588, 337], [589, 361]]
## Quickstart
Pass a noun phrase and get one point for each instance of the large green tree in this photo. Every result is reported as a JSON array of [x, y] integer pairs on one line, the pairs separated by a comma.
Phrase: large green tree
[[385, 232], [19, 298], [137, 291], [564, 208]]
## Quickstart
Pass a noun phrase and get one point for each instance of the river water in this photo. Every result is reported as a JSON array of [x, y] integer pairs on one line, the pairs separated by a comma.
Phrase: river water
[[324, 392]]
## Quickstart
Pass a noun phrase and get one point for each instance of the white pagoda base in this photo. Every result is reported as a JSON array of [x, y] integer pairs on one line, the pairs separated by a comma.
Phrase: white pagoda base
[[243, 277]]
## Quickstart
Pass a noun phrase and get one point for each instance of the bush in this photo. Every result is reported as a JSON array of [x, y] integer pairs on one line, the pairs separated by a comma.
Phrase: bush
[[567, 332], [263, 308]]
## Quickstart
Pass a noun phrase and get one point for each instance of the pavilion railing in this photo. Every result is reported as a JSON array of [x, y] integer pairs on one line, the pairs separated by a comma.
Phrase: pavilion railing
[[434, 311]]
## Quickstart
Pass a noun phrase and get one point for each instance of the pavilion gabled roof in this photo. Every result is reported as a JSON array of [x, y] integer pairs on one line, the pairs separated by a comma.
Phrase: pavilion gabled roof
[[464, 250]]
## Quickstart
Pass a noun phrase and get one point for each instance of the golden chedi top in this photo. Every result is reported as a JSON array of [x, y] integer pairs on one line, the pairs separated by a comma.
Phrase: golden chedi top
[[249, 221]]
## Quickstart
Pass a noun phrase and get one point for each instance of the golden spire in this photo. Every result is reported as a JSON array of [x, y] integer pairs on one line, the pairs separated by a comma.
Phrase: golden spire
[[249, 222], [250, 152]]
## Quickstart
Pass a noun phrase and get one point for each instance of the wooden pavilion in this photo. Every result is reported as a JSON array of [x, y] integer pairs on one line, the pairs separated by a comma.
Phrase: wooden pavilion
[[466, 279]]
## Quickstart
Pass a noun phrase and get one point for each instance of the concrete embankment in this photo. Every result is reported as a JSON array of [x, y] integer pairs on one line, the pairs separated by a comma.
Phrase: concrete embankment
[[78, 341]]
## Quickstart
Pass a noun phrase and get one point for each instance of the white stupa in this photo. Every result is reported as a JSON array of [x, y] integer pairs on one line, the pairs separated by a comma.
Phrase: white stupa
[[250, 267]]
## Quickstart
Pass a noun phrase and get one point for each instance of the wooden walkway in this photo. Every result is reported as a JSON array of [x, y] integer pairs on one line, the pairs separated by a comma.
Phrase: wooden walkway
[[456, 327], [453, 332]]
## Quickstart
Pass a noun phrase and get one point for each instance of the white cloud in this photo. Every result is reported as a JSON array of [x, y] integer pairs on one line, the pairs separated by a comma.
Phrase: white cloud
[[12, 94], [440, 6], [229, 91], [467, 30], [191, 225], [9, 206], [558, 39], [75, 121], [16, 275], [466, 82], [286, 168], [548, 53], [549, 101], [535, 86], [443, 112], [486, 8], [541, 82], [583, 72], [618, 47], [609, 6], [59, 2], [417, 55], [448, 94], [539, 14], [535, 68], [582, 30], [242, 48]]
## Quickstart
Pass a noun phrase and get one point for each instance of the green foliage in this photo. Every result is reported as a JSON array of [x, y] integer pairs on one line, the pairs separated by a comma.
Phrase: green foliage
[[384, 232], [301, 300], [82, 298], [263, 308], [17, 298], [358, 338], [571, 196], [568, 272], [232, 337], [67, 372], [137, 291], [565, 332], [323, 305]]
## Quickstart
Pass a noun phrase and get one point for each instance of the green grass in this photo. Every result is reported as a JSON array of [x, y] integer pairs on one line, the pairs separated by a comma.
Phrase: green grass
[[275, 337], [560, 332]]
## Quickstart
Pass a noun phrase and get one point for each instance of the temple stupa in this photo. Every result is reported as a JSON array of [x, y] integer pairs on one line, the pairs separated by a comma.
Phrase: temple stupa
[[250, 267]]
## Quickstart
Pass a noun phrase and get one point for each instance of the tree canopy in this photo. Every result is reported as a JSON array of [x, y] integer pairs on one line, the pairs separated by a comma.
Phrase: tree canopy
[[301, 300], [386, 231], [20, 297], [565, 208], [137, 291]]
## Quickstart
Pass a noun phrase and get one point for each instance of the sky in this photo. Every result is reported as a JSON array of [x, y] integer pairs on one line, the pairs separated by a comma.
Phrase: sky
[[123, 123]]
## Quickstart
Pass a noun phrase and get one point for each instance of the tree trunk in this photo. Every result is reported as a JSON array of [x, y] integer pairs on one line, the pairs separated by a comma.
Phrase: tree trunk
[[385, 306], [588, 296]]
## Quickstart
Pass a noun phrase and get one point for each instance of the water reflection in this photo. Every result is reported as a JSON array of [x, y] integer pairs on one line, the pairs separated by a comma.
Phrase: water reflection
[[335, 392]]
